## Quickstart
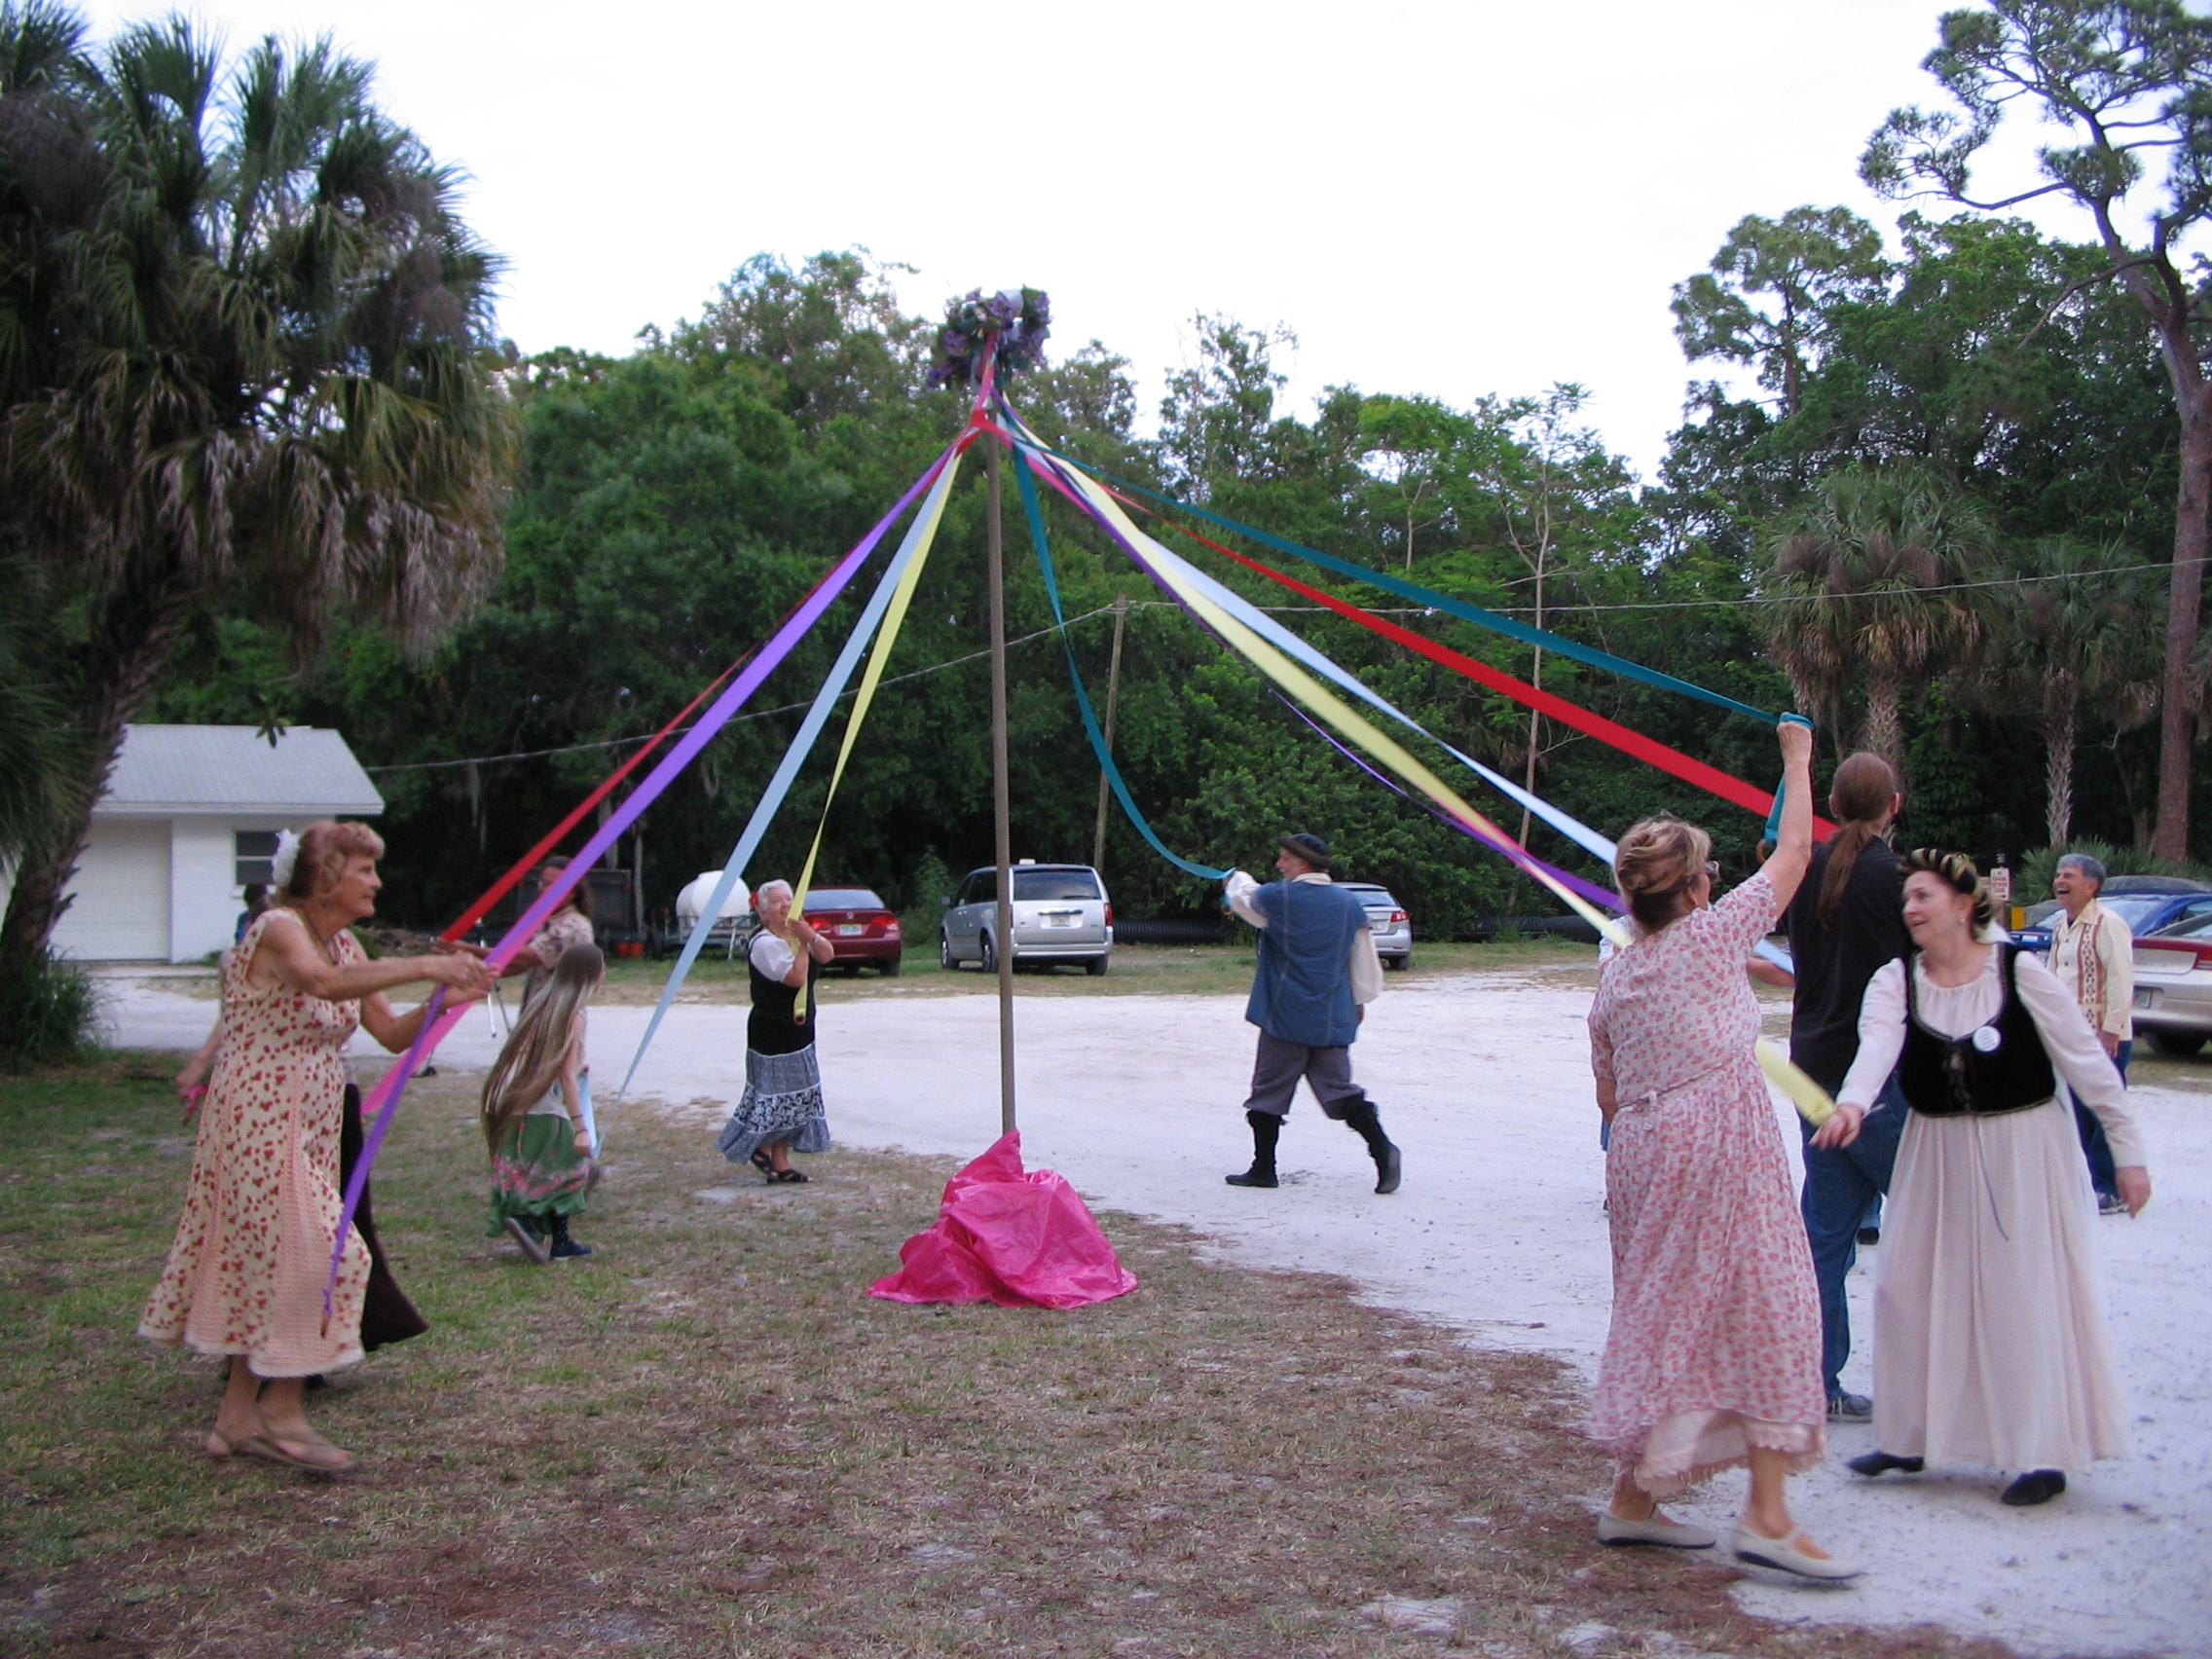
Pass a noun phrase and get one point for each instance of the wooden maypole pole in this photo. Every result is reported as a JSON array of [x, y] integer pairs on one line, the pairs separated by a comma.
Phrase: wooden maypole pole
[[985, 340], [1001, 814]]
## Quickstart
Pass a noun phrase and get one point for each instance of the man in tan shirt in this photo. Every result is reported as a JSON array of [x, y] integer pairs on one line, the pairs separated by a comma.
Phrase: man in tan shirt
[[2092, 952]]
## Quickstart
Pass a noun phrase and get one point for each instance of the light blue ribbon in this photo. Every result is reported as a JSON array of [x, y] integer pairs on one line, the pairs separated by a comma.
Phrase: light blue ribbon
[[1030, 506], [787, 771], [1267, 628]]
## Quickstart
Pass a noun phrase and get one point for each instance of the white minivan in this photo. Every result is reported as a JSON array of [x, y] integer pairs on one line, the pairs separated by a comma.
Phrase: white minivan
[[1060, 914]]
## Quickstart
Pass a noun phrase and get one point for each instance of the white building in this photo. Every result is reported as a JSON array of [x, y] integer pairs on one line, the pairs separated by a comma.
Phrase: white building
[[188, 819]]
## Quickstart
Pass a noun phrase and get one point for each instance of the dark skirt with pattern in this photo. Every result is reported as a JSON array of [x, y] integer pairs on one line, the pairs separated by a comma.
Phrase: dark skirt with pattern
[[782, 1102], [538, 1172]]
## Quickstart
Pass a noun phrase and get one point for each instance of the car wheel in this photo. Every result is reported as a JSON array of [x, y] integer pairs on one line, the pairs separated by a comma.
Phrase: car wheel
[[944, 957], [891, 968], [2178, 1041], [1399, 962], [1096, 965], [990, 955]]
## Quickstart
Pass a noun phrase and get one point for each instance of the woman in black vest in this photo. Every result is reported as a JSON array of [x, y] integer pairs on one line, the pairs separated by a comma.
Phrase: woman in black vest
[[1990, 1338], [780, 1110]]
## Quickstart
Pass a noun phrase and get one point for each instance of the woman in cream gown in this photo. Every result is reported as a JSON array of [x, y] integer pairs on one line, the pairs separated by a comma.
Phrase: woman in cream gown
[[1990, 1339]]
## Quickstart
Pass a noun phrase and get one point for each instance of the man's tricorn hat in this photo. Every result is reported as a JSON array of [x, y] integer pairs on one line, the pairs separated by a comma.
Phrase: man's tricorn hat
[[1311, 848]]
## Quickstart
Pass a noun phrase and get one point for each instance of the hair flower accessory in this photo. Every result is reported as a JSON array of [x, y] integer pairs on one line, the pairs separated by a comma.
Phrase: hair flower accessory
[[286, 857]]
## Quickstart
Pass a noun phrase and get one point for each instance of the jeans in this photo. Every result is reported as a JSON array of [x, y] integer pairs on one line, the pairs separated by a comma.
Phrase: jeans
[[1840, 1182], [2091, 1129]]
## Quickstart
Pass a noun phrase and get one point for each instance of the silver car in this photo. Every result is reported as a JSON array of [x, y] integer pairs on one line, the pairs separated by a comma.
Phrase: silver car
[[2173, 987], [1060, 914], [1388, 920]]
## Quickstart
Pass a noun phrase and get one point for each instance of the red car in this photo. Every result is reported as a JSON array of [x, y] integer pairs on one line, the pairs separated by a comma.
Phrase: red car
[[861, 930]]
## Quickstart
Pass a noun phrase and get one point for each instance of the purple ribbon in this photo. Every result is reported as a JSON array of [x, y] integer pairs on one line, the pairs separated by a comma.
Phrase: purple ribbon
[[384, 1100]]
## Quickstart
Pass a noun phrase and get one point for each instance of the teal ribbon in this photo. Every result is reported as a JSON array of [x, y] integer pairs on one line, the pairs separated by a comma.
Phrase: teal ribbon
[[1036, 515], [1773, 818], [1475, 614]]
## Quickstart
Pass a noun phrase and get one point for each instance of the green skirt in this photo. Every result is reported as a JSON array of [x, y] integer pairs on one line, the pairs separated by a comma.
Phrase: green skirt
[[538, 1172]]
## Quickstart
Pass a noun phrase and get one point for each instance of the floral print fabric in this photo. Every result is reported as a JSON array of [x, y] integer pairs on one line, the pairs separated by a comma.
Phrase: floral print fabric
[[1716, 1339], [245, 1275]]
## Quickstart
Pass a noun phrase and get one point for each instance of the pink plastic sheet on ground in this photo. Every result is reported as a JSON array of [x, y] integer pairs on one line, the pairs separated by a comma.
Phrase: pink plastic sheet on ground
[[1022, 1238]]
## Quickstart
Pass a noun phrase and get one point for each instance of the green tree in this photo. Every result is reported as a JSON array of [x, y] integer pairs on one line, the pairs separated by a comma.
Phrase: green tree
[[2072, 630], [2126, 81], [1770, 299], [246, 362], [1859, 573]]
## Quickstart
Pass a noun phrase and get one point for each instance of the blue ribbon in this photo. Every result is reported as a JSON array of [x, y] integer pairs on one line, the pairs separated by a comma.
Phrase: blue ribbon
[[787, 772], [1036, 515]]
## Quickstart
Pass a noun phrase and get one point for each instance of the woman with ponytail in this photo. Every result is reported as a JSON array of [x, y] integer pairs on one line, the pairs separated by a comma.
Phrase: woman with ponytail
[[1844, 924], [1990, 1338]]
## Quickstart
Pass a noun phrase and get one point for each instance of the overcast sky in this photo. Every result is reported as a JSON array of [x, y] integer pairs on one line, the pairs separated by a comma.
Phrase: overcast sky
[[1452, 198]]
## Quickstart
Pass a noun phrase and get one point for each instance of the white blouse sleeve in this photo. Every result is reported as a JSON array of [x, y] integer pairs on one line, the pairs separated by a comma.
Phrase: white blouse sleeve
[[1881, 1036], [1238, 890], [772, 955], [2077, 1056]]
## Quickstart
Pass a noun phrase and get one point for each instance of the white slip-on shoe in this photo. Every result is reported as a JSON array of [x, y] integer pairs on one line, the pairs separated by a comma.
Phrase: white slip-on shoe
[[1784, 1555], [1672, 1535]]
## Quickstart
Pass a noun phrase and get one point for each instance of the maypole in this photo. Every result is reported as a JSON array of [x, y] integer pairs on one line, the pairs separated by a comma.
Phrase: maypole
[[1001, 830], [981, 341]]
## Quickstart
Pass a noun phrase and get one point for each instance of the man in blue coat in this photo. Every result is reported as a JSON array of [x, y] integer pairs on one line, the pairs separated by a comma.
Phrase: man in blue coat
[[1318, 970]]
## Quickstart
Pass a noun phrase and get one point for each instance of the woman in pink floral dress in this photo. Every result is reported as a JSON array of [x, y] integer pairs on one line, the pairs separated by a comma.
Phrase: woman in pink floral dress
[[1714, 1358], [245, 1275]]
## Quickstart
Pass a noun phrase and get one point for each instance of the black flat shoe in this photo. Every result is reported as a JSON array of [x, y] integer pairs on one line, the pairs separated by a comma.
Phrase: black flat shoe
[[1873, 1463], [1253, 1177], [763, 1162], [787, 1178], [2036, 1485]]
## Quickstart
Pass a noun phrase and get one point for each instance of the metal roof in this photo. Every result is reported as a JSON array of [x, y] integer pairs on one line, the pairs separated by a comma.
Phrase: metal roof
[[308, 771]]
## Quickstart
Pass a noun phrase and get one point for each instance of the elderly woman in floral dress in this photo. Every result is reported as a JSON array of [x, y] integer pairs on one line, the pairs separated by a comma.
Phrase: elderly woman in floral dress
[[1714, 1357], [246, 1273]]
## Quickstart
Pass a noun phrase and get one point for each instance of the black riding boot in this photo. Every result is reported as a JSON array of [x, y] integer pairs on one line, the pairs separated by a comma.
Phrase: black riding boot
[[1267, 1129], [1359, 1117]]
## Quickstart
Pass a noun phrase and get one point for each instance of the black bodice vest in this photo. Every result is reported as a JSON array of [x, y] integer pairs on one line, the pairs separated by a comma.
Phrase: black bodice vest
[[771, 1029], [1998, 1067]]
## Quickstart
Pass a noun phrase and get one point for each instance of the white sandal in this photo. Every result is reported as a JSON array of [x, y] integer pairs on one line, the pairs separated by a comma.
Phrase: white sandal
[[1782, 1555]]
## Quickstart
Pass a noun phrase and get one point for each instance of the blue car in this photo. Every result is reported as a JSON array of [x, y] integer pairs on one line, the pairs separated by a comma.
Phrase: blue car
[[2147, 904]]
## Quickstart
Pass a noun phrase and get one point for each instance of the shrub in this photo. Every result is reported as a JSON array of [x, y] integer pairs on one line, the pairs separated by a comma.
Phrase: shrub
[[50, 1014]]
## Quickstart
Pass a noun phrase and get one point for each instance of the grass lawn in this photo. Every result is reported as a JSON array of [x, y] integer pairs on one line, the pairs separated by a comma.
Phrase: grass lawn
[[707, 1440]]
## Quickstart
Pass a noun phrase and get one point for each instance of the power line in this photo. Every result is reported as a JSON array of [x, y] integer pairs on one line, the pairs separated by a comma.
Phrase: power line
[[1171, 605], [756, 715]]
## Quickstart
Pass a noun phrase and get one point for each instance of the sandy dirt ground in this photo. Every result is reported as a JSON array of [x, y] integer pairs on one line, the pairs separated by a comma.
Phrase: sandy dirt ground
[[1498, 1231]]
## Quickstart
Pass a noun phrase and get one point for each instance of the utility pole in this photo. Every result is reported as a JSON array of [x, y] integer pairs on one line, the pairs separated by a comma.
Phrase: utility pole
[[1113, 701], [1001, 811]]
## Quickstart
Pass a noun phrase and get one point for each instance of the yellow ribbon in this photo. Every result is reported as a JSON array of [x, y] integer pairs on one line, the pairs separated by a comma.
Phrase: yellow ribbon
[[922, 537], [1810, 1099]]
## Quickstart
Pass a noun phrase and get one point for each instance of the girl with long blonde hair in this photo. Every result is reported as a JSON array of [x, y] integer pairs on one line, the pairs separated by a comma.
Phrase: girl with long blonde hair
[[533, 1114]]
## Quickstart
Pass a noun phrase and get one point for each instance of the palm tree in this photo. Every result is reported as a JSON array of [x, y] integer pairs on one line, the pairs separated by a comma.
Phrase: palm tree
[[2076, 626], [245, 357], [1865, 572]]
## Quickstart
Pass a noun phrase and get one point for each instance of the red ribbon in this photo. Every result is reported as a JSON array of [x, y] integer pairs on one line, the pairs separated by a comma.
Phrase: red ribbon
[[552, 838], [1693, 771]]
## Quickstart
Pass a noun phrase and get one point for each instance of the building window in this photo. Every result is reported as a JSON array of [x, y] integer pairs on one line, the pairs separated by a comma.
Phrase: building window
[[254, 849]]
